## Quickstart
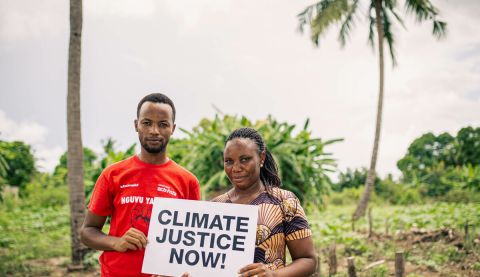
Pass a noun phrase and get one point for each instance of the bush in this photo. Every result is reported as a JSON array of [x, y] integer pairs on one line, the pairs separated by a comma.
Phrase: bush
[[346, 197], [398, 193], [30, 231], [407, 197], [45, 191], [301, 158], [378, 271], [458, 195], [90, 260], [353, 179], [385, 191], [350, 196], [18, 163]]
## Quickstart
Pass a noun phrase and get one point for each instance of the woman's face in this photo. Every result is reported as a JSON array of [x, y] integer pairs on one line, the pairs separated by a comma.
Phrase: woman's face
[[241, 162]]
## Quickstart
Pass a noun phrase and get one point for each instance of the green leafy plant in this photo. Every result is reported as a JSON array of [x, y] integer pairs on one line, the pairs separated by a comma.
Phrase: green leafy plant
[[17, 164], [301, 158]]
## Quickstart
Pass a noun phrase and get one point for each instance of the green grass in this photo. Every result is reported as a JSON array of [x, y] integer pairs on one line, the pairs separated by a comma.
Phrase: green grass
[[30, 230], [334, 225]]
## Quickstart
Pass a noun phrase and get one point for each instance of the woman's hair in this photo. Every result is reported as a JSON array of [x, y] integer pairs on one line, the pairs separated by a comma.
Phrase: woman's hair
[[269, 171]]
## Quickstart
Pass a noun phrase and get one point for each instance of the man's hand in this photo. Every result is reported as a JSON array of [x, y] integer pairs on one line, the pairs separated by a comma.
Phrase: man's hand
[[133, 239]]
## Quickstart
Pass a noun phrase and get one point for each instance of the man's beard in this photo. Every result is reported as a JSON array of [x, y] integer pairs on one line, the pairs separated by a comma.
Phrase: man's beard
[[154, 150]]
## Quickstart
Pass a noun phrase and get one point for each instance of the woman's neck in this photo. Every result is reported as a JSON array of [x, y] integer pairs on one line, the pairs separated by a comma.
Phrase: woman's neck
[[245, 196]]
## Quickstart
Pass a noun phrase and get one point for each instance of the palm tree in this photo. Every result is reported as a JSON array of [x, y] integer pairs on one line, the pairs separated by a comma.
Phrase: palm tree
[[380, 14], [75, 149]]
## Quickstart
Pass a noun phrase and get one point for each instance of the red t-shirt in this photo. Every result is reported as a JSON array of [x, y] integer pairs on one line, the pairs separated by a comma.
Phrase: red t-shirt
[[125, 191]]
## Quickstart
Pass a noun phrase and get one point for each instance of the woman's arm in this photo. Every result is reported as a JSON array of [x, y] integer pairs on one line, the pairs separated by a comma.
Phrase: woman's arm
[[303, 264], [303, 258], [92, 236]]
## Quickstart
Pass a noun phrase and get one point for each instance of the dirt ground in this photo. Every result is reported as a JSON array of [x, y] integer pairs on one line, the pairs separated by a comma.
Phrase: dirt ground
[[418, 243], [58, 267]]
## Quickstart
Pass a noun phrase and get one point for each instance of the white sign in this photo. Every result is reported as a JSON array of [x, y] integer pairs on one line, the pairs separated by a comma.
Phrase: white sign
[[201, 238]]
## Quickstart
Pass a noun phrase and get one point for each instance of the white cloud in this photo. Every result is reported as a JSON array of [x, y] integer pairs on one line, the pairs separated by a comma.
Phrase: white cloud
[[191, 14], [120, 8], [47, 157], [40, 19], [29, 132], [247, 58], [23, 19], [33, 134]]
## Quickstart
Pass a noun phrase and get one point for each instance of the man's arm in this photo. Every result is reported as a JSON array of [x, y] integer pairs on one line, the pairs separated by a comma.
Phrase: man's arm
[[92, 236]]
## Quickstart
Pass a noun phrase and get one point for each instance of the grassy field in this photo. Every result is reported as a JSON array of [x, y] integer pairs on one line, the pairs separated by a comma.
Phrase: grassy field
[[30, 232], [431, 237], [35, 240]]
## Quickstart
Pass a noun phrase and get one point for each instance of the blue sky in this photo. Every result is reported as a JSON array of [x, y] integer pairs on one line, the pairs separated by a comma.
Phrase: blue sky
[[246, 58]]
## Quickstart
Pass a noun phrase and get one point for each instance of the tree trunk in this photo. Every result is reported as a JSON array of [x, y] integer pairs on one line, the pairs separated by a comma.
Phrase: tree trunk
[[363, 203], [74, 136]]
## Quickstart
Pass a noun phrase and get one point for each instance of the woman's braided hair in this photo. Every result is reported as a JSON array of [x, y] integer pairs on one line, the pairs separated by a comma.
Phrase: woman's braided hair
[[269, 170]]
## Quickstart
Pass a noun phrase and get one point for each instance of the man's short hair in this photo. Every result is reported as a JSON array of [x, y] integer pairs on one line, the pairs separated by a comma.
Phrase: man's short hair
[[156, 98]]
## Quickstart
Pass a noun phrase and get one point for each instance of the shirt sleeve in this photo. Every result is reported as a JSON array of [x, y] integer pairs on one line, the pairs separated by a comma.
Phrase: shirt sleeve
[[296, 224], [101, 202]]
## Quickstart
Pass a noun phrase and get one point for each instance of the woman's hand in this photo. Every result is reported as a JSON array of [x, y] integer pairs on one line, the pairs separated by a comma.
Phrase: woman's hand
[[255, 270]]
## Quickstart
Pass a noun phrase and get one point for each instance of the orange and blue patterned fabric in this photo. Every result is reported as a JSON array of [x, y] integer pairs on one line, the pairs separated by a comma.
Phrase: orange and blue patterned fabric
[[281, 218]]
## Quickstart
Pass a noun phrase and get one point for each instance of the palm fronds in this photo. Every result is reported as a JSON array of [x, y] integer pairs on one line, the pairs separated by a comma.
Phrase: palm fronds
[[325, 13], [322, 15], [424, 10]]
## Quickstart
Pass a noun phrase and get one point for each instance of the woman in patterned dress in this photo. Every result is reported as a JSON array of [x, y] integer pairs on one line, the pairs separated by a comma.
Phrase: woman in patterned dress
[[281, 220]]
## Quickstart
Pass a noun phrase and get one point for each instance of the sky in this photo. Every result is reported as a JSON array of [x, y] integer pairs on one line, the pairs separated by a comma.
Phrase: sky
[[243, 57]]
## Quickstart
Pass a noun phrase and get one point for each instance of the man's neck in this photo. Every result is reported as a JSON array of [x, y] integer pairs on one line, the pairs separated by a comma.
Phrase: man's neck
[[158, 158]]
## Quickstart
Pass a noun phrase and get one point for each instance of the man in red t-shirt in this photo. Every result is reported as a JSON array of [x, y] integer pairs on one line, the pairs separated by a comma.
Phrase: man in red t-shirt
[[125, 191]]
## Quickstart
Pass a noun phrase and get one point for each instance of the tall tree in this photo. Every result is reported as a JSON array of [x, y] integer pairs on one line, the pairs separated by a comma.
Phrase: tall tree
[[430, 153], [380, 15], [75, 149], [426, 153]]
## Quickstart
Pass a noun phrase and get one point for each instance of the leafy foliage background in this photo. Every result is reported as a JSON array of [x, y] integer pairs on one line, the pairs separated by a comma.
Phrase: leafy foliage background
[[302, 160]]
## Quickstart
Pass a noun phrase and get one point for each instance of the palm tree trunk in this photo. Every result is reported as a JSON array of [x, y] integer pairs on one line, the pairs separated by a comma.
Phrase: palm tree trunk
[[363, 203], [74, 136]]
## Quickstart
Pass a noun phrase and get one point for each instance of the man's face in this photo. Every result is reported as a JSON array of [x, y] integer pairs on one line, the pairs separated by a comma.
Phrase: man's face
[[154, 126]]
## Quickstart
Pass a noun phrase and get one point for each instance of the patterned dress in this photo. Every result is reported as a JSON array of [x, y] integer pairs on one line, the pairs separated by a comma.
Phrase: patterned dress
[[280, 219]]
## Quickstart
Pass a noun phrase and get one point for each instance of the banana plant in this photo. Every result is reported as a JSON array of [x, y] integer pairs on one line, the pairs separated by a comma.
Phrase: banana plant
[[302, 161]]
